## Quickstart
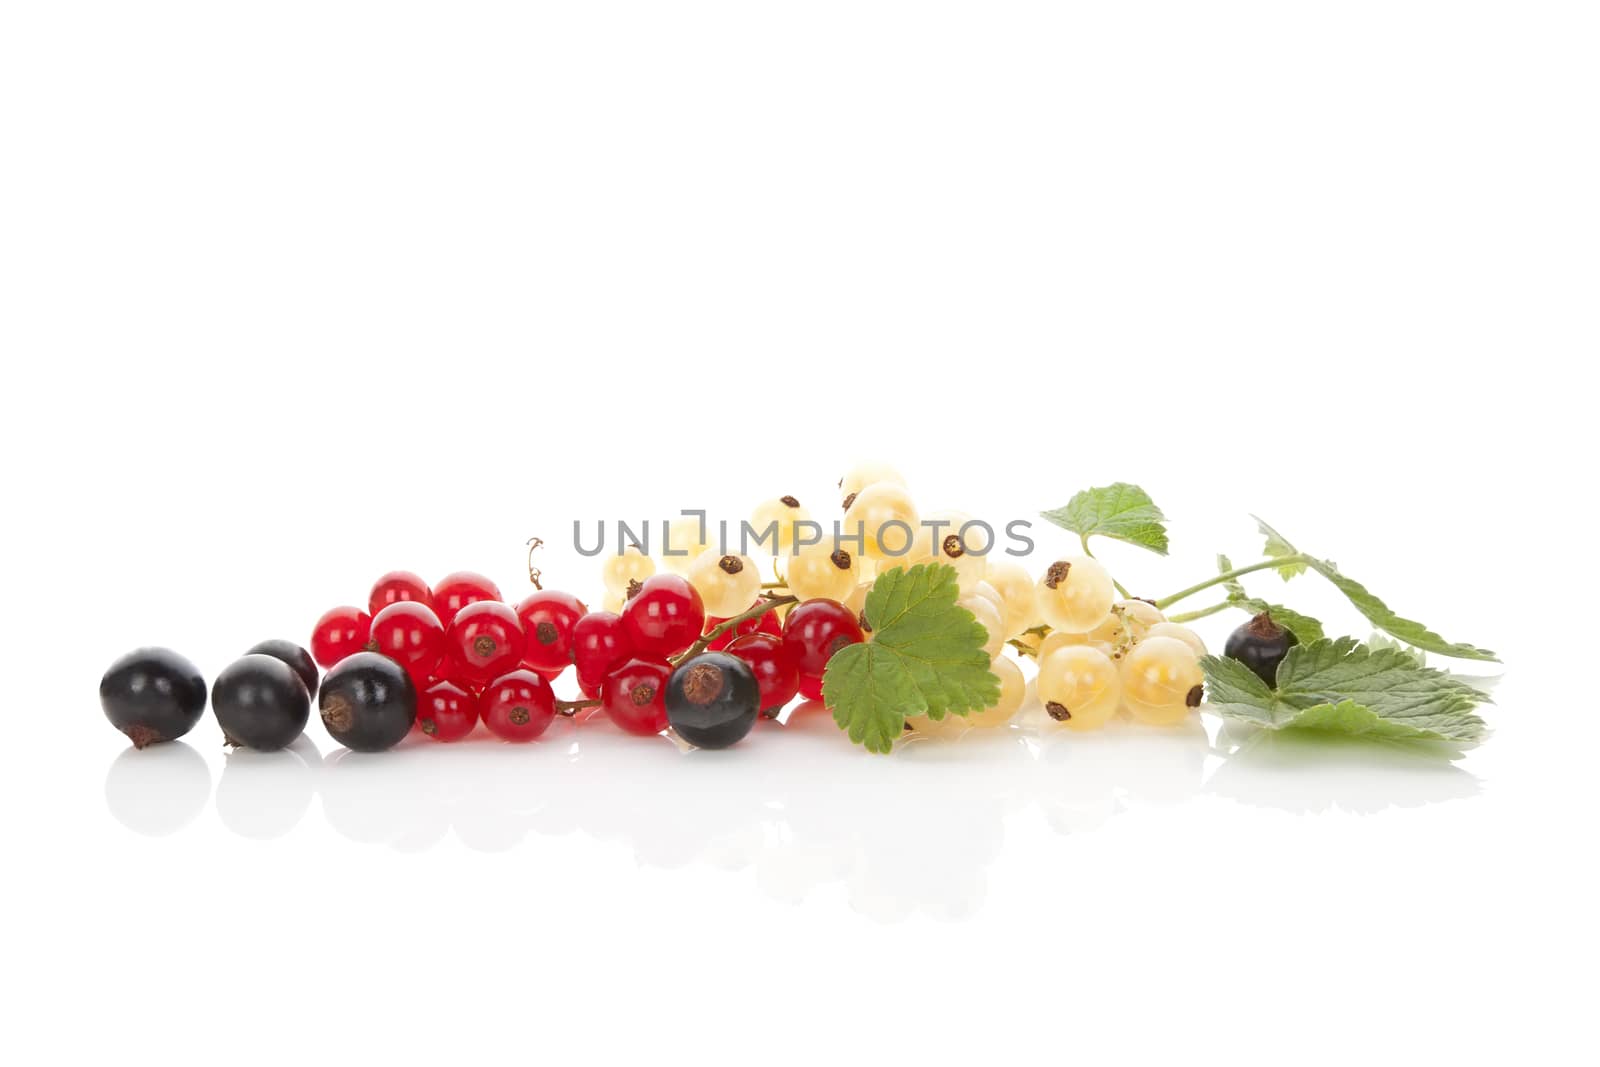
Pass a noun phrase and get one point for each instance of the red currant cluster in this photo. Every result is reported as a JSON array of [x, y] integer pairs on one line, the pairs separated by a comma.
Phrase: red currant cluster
[[472, 657]]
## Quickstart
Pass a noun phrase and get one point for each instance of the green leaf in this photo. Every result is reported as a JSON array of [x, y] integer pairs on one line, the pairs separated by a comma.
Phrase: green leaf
[[1303, 627], [1121, 511], [926, 657], [1346, 687], [1379, 639], [1278, 547], [1376, 611]]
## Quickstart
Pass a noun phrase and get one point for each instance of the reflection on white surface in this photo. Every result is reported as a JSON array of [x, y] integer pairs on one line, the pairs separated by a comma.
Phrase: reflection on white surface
[[794, 804]]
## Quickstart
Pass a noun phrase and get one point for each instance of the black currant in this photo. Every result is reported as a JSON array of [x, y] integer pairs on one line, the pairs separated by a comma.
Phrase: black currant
[[260, 703], [153, 694], [1261, 644], [294, 656], [368, 702], [712, 700]]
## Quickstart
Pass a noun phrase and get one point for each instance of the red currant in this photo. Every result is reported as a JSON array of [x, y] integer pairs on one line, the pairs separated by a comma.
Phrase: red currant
[[446, 711], [339, 633], [664, 616], [547, 619], [395, 587], [518, 706], [773, 666], [409, 633], [485, 641], [633, 695], [811, 686], [765, 623], [598, 644], [816, 630], [456, 591]]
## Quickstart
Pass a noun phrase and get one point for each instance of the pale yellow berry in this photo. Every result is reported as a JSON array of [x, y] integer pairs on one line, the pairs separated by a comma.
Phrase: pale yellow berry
[[1079, 686], [1075, 594], [1056, 639], [816, 573], [685, 543], [990, 619], [773, 525], [1126, 625], [1181, 632], [1161, 681], [632, 566], [1018, 601], [727, 584], [953, 549], [867, 473], [1012, 688], [886, 520]]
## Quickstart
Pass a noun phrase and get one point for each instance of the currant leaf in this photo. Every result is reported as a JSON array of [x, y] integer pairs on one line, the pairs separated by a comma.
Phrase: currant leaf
[[1120, 511]]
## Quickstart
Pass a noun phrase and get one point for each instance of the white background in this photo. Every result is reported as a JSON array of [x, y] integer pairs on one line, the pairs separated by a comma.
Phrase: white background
[[294, 293]]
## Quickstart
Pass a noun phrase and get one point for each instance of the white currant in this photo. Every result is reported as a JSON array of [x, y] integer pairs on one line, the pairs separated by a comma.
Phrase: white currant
[[618, 572], [1075, 594], [727, 584], [1080, 687], [815, 573], [885, 518], [1162, 681]]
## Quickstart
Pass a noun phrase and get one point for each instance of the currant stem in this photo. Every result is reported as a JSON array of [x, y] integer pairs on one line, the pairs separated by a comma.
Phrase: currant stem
[[767, 603], [1227, 576], [1190, 616], [571, 707], [1083, 539]]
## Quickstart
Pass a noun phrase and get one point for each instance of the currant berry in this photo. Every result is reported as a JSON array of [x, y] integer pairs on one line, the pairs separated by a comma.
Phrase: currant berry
[[395, 587], [684, 543], [1181, 632], [989, 618], [598, 644], [1080, 687], [485, 641], [1019, 602], [779, 515], [260, 703], [811, 686], [765, 623], [955, 548], [634, 694], [547, 619], [1261, 644], [1075, 594], [409, 633], [368, 702], [816, 630], [885, 518], [456, 591], [712, 700], [518, 706], [621, 571], [1012, 689], [663, 617], [773, 666], [816, 573], [1161, 681], [727, 584], [341, 632], [447, 711], [1127, 625], [153, 695], [298, 659], [864, 474]]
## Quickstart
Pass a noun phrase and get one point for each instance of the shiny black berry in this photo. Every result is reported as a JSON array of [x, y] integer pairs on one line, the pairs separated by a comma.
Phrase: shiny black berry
[[1261, 644], [368, 702], [295, 656], [153, 694], [712, 700], [260, 703]]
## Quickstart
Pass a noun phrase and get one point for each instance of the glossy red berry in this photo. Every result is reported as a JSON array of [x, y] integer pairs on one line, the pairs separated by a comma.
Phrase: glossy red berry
[[446, 711], [547, 619], [456, 591], [485, 642], [765, 623], [773, 666], [664, 616], [811, 686], [409, 633], [340, 632], [816, 630], [598, 644], [633, 694], [518, 706], [395, 587]]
